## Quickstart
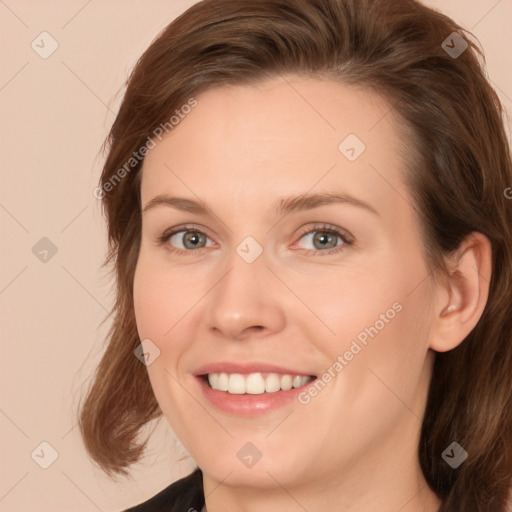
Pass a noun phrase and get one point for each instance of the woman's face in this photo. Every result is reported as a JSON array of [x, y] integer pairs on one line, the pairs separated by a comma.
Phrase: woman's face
[[263, 290]]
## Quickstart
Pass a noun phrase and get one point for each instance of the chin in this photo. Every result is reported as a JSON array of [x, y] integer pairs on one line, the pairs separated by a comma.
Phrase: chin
[[263, 475]]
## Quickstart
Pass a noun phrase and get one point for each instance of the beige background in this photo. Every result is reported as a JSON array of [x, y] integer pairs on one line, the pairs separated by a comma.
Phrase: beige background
[[55, 114]]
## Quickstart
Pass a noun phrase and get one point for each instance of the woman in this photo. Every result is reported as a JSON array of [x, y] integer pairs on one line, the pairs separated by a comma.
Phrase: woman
[[309, 222]]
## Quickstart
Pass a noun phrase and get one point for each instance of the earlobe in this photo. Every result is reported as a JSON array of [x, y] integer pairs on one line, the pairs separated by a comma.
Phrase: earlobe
[[467, 289]]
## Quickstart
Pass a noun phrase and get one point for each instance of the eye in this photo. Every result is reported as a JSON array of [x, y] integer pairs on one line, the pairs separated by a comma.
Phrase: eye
[[189, 237], [326, 239]]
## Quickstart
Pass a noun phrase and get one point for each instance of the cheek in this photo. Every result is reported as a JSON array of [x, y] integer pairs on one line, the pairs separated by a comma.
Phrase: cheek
[[348, 305], [148, 300], [382, 306], [158, 307], [160, 298], [394, 328]]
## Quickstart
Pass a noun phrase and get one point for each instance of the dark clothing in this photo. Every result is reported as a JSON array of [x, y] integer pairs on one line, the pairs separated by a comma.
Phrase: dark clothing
[[185, 495]]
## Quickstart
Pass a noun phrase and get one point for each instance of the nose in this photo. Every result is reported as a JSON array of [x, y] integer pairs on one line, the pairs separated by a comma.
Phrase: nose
[[245, 303]]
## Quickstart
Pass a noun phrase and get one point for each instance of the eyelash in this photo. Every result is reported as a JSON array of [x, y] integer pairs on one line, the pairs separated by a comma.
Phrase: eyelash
[[320, 228]]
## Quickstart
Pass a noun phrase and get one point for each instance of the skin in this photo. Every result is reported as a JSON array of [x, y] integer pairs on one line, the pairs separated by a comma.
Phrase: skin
[[353, 447]]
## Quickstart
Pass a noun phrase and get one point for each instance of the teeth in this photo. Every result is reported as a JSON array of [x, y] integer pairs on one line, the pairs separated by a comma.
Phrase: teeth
[[286, 382], [255, 383], [223, 382], [272, 383], [236, 384]]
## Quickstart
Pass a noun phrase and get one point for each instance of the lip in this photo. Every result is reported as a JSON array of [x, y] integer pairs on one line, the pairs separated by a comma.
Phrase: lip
[[247, 405], [245, 368]]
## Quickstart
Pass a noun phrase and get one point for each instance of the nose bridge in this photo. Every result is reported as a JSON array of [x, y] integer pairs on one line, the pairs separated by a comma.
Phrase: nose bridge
[[245, 298]]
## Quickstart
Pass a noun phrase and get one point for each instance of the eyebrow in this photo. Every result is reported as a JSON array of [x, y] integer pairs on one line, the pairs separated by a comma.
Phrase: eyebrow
[[285, 206]]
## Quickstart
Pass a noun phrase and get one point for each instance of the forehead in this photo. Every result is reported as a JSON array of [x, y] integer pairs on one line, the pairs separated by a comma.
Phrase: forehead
[[289, 134]]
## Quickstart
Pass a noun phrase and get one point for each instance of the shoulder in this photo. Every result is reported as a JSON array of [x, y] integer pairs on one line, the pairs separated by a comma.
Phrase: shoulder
[[185, 495]]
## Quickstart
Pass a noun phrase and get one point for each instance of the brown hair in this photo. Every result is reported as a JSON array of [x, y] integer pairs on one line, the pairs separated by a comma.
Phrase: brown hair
[[460, 168]]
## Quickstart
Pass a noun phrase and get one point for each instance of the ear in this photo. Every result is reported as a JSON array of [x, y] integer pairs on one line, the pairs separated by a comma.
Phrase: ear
[[461, 297]]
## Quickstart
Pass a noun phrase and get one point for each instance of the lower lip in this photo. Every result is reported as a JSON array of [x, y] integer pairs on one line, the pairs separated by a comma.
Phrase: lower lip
[[246, 404]]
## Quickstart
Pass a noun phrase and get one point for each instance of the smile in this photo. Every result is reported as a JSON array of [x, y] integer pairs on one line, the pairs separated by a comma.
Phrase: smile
[[250, 388], [255, 383]]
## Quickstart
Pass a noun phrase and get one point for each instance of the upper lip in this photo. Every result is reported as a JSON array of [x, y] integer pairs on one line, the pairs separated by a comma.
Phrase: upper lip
[[245, 368]]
